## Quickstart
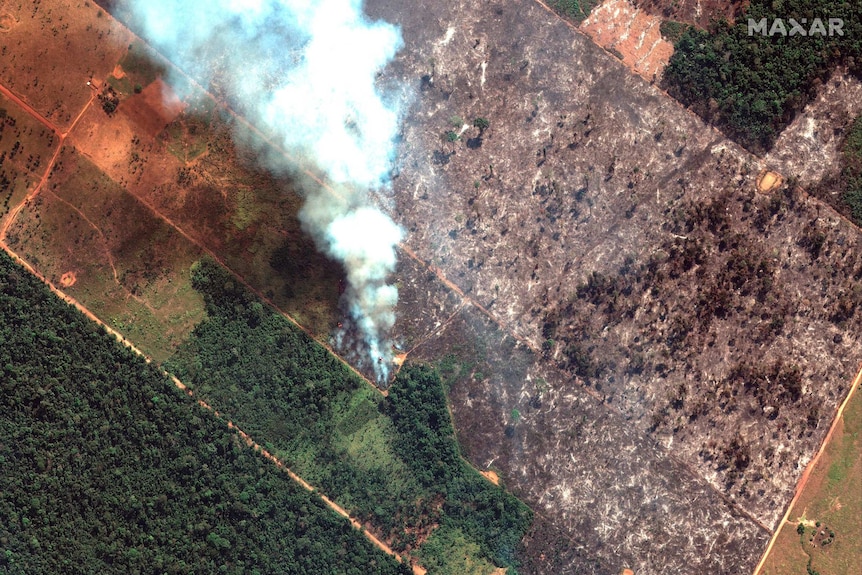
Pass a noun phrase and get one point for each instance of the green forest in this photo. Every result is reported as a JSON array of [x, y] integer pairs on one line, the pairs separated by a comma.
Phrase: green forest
[[751, 86], [851, 173], [108, 468], [392, 461]]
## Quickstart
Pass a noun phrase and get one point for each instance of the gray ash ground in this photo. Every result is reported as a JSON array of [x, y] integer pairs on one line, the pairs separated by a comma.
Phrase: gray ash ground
[[664, 347], [690, 337]]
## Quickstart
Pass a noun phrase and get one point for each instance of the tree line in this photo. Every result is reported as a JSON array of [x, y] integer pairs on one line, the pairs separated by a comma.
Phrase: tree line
[[108, 468], [393, 461], [751, 85]]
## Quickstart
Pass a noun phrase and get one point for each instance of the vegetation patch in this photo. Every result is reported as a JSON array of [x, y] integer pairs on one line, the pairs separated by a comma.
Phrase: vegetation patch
[[392, 462], [575, 10], [852, 171], [752, 85], [448, 552], [672, 31], [121, 85], [108, 468]]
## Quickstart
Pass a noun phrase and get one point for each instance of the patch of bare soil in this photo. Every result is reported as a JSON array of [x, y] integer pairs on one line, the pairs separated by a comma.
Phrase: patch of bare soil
[[68, 279], [491, 476], [769, 181], [7, 21], [154, 108], [632, 34]]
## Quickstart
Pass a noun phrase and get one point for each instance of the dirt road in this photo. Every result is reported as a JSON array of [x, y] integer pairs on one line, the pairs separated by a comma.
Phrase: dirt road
[[13, 213], [122, 339], [800, 487], [27, 108]]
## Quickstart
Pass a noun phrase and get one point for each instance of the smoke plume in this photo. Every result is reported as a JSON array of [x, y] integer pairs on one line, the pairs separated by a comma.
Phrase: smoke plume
[[306, 71]]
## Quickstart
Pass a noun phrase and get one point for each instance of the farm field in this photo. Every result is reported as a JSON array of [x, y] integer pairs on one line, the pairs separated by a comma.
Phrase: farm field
[[89, 236], [824, 529], [634, 339], [26, 147], [52, 48], [181, 161]]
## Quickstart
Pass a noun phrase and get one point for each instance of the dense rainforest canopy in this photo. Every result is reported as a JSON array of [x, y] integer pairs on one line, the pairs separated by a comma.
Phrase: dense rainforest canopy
[[108, 468], [751, 85], [393, 461]]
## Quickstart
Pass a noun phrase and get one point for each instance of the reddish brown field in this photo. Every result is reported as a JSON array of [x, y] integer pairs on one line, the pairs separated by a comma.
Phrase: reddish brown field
[[153, 109], [631, 33], [51, 49]]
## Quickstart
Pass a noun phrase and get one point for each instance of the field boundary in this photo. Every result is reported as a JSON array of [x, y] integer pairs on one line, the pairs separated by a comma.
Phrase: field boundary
[[800, 487], [123, 340]]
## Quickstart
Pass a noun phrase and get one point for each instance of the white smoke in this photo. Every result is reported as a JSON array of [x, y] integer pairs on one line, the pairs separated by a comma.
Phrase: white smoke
[[306, 71]]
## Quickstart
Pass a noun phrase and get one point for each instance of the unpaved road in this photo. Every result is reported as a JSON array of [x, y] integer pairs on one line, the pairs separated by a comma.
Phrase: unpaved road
[[803, 481], [122, 339]]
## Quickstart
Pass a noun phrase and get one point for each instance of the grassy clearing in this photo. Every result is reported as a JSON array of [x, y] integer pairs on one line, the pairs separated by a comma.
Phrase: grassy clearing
[[187, 138], [831, 503], [448, 552], [122, 86], [392, 462], [131, 268]]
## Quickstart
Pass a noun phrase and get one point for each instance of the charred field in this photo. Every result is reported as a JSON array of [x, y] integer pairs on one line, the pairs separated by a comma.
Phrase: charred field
[[625, 263], [644, 348]]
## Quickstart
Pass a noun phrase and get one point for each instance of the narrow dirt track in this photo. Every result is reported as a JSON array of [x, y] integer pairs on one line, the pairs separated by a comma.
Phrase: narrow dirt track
[[122, 339], [49, 167], [27, 108]]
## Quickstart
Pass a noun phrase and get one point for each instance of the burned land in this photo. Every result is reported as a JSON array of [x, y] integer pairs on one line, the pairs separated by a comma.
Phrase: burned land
[[645, 348], [622, 246]]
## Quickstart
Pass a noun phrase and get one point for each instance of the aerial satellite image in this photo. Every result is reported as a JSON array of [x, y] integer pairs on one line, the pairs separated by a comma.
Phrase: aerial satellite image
[[457, 287]]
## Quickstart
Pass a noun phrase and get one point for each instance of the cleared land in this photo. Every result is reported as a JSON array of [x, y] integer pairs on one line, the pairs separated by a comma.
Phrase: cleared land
[[131, 269], [181, 161], [632, 34], [26, 146], [583, 168], [52, 48]]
